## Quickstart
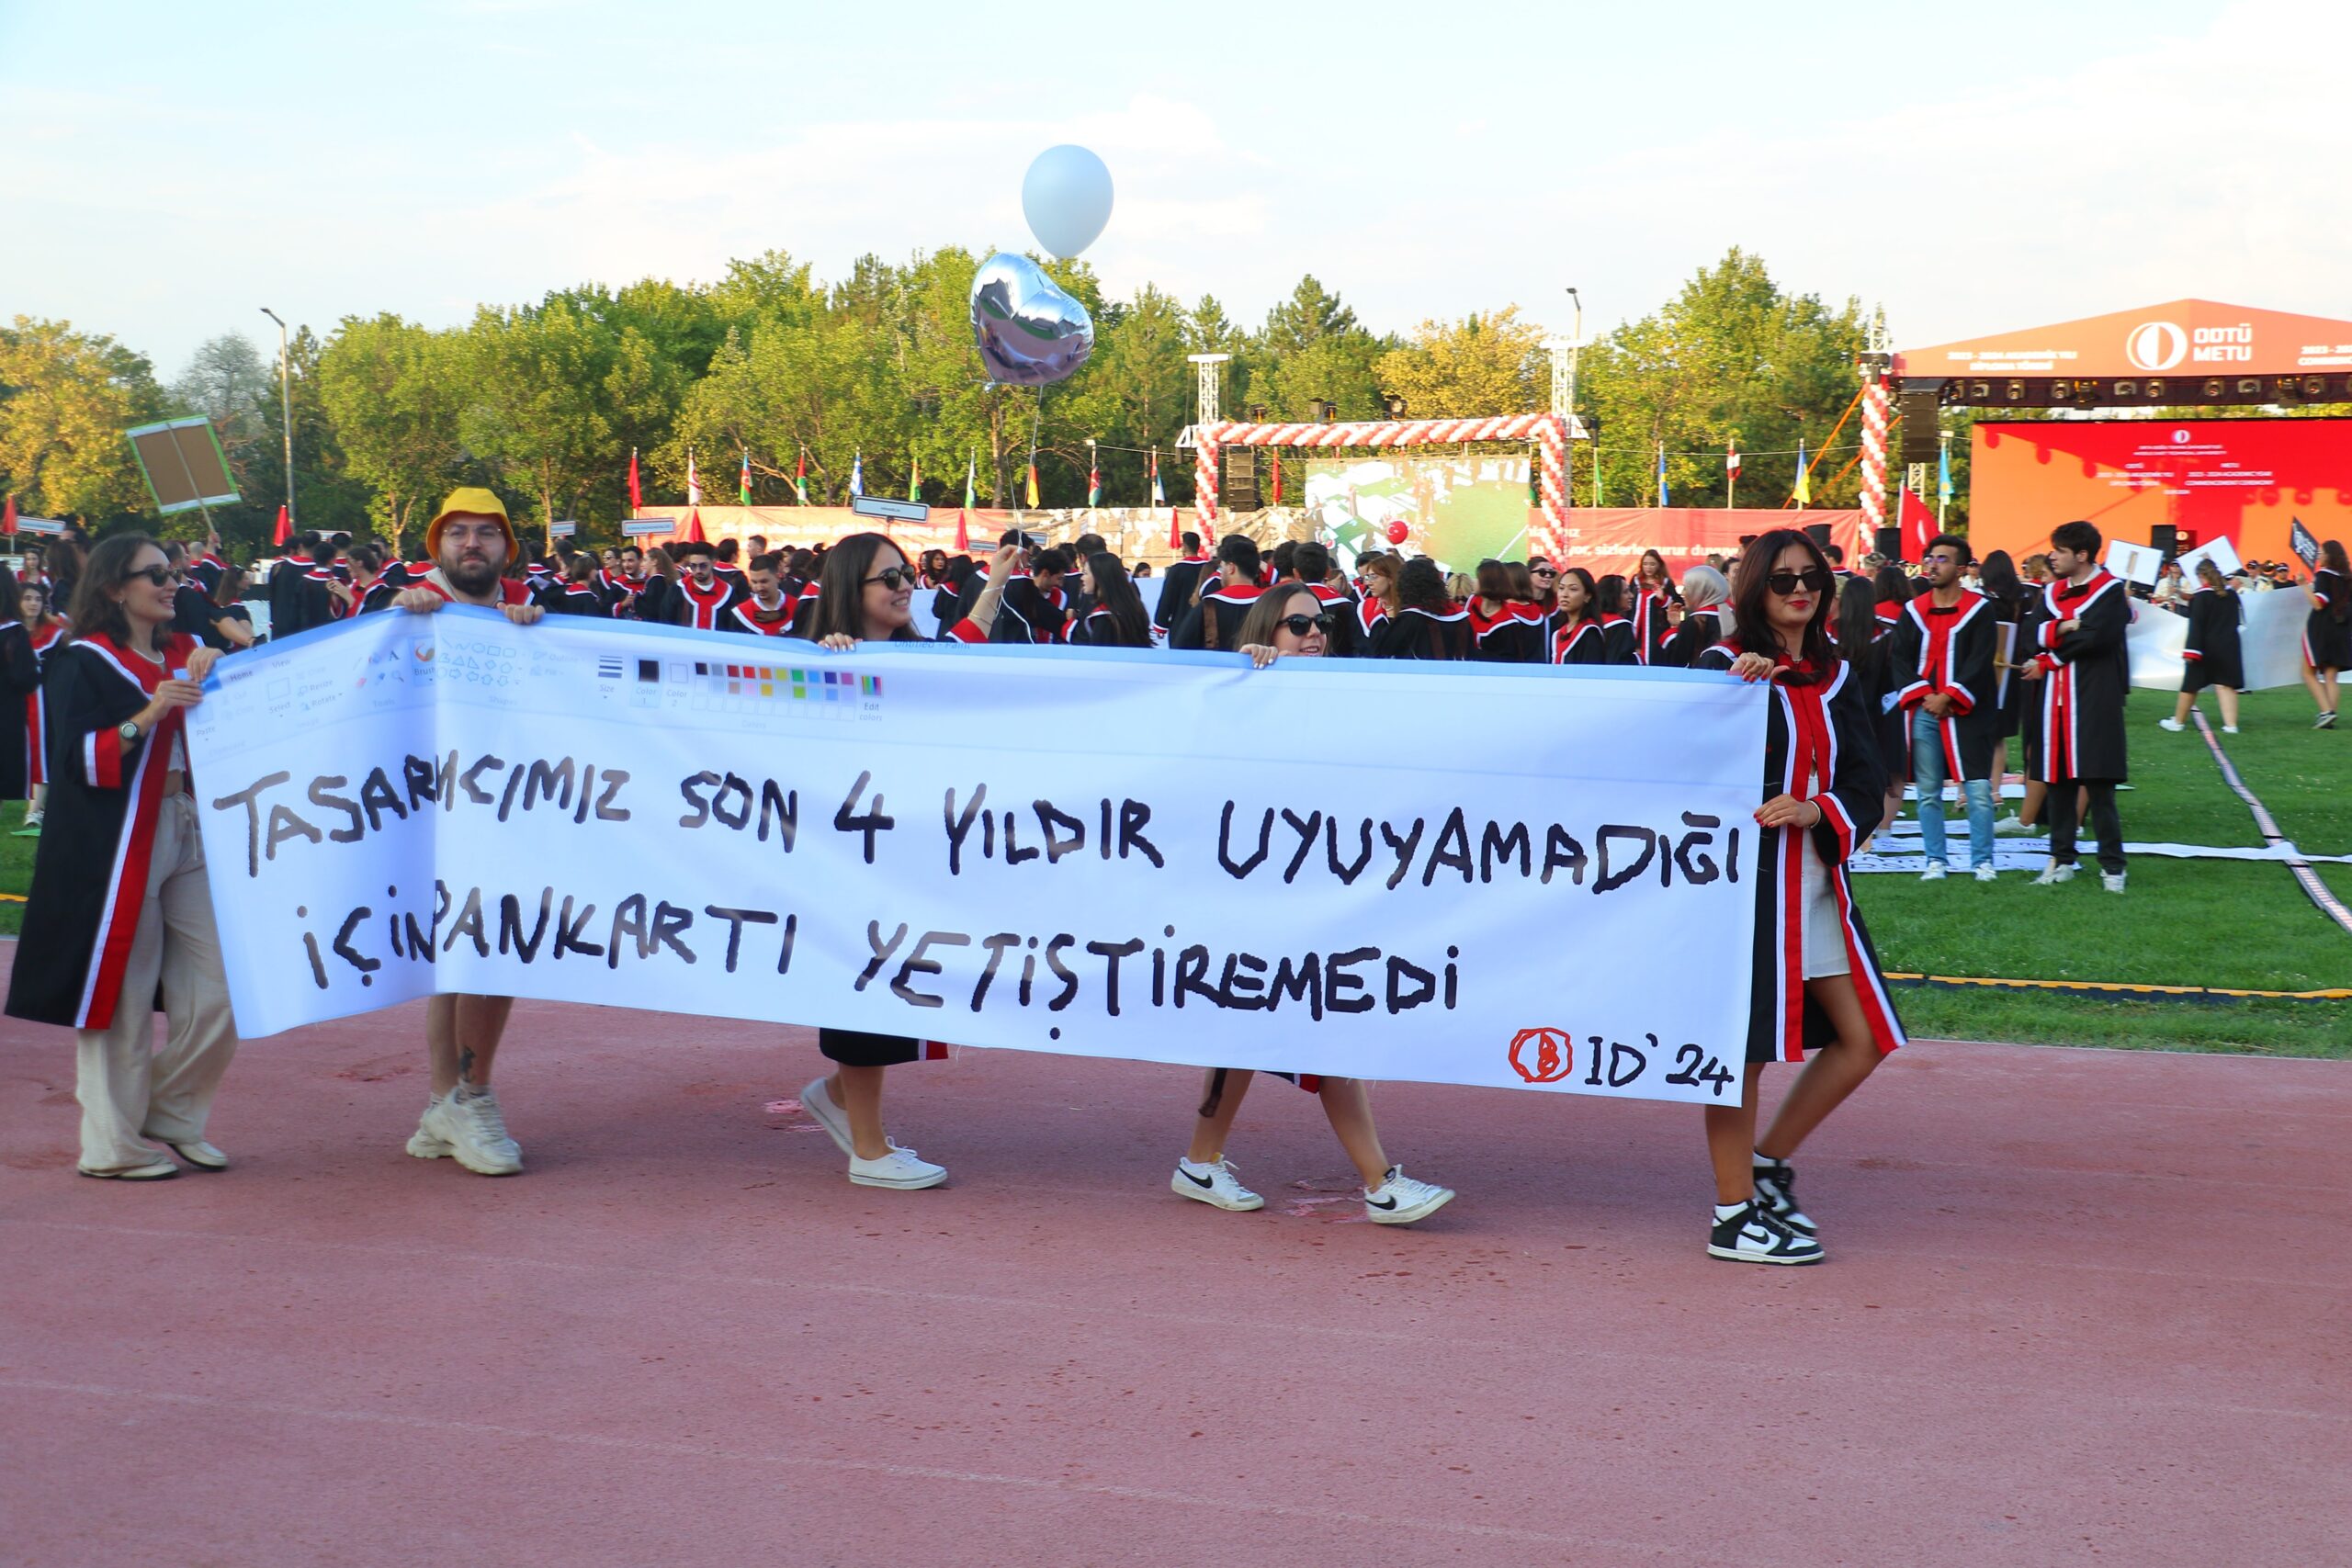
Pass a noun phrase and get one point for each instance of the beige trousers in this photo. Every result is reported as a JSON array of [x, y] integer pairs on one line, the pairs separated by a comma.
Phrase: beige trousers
[[128, 1090]]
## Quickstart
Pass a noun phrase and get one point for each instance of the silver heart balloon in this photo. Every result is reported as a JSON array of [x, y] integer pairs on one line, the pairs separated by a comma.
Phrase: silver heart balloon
[[1028, 330]]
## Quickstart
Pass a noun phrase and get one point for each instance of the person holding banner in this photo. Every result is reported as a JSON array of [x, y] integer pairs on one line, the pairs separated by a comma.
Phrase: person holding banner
[[471, 542], [1816, 980], [1291, 621], [2083, 668], [2212, 656], [866, 593], [121, 911], [2327, 631]]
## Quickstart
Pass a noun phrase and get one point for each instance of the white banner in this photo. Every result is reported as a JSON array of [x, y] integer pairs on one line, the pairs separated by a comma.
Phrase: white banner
[[1466, 873], [2271, 640]]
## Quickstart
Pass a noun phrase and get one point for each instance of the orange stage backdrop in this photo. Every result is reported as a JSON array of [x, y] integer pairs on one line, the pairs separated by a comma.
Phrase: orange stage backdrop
[[2184, 338], [2247, 478]]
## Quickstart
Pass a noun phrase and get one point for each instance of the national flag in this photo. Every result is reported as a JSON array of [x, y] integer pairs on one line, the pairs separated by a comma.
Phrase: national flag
[[8, 518], [963, 532], [857, 474], [1803, 494], [1158, 497], [1730, 458], [1661, 474], [635, 495], [971, 469], [1033, 482], [1093, 479], [1918, 524], [691, 532], [1943, 476], [693, 481], [1175, 534], [2303, 543], [278, 538], [914, 476], [743, 480], [801, 478], [1278, 481]]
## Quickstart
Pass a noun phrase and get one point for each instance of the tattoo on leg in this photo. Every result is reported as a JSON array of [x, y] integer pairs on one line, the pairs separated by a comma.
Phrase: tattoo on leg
[[466, 1064]]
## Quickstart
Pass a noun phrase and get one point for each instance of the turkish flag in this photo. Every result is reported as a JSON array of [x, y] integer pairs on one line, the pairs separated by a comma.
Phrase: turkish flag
[[1175, 540], [8, 519], [963, 532], [285, 531], [1917, 520], [691, 532]]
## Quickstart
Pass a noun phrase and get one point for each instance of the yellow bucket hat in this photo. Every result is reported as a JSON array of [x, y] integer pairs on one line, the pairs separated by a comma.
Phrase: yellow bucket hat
[[475, 502]]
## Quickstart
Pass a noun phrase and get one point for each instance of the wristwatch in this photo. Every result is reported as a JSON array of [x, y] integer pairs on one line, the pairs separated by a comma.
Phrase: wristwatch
[[129, 731]]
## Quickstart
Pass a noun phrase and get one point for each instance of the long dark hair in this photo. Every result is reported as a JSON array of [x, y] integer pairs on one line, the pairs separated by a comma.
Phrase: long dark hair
[[1857, 624], [2331, 558], [1107, 580], [1752, 628], [841, 594], [1890, 586], [2002, 585], [108, 566], [1610, 595], [1590, 610], [1420, 586]]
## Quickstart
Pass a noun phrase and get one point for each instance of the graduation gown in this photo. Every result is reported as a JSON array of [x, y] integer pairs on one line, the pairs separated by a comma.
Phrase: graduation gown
[[749, 618], [90, 871], [1579, 642], [2079, 723], [1025, 614], [1508, 636], [1100, 628], [2212, 656], [2327, 630], [1176, 587], [1344, 640], [1819, 726], [1951, 651], [36, 706], [1216, 621], [1617, 641], [1651, 626], [1413, 633], [20, 684], [702, 607], [1699, 630], [580, 598]]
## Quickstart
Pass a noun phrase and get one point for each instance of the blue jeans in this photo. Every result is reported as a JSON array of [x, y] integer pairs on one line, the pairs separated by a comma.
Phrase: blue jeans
[[1927, 772]]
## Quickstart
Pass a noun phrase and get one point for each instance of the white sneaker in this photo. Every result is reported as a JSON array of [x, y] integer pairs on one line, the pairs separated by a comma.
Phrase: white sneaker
[[2171, 723], [901, 1168], [1937, 871], [2228, 730], [1213, 1184], [1400, 1200], [2111, 880], [819, 1102], [2054, 875], [1986, 873], [471, 1129], [2009, 827]]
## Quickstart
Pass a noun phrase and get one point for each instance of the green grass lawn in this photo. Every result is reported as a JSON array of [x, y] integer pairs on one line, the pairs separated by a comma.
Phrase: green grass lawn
[[2184, 922]]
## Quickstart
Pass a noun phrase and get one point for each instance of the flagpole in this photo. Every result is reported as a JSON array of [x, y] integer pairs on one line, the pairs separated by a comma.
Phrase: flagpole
[[1943, 476]]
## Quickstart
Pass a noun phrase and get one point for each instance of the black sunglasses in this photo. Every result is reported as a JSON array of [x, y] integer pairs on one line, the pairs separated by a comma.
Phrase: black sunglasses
[[1785, 583], [1541, 571], [161, 575], [1299, 625], [892, 578]]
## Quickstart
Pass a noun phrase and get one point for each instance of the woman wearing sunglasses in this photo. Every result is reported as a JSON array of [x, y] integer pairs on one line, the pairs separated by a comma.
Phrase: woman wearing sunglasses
[[865, 594], [121, 911], [1816, 980], [1290, 622]]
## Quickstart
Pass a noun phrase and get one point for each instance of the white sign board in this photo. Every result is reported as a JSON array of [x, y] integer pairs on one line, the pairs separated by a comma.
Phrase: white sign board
[[2135, 563]]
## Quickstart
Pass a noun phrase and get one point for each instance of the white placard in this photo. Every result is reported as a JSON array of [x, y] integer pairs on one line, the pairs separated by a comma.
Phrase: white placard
[[2133, 563], [2219, 551], [1167, 857]]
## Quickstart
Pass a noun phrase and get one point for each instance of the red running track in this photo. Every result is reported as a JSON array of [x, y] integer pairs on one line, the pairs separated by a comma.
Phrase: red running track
[[2082, 1306]]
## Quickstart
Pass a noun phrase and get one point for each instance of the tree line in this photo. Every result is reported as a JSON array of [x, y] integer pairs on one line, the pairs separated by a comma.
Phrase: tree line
[[546, 401]]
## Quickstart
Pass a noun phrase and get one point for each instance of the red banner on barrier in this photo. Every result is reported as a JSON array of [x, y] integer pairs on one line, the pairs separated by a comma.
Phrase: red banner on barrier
[[1612, 539]]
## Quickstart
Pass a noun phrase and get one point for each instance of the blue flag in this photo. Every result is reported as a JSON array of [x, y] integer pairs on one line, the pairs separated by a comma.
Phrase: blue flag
[[1943, 476], [1661, 473]]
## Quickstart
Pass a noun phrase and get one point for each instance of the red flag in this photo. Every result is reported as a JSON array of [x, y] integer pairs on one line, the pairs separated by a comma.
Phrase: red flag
[[636, 496], [1175, 541], [963, 532], [1918, 523], [691, 532], [285, 530], [8, 518], [1278, 481]]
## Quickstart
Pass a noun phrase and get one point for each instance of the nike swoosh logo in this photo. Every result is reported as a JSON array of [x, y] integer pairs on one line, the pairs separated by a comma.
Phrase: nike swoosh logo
[[1197, 1181], [1760, 1238], [1380, 1202]]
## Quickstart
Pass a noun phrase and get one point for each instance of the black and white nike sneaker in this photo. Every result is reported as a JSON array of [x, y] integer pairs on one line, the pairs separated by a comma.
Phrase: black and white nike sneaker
[[1776, 1184], [1753, 1234], [1213, 1184], [1400, 1200]]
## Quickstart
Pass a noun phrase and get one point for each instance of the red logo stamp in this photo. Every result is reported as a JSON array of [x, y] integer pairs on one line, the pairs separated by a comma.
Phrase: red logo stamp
[[1542, 1055]]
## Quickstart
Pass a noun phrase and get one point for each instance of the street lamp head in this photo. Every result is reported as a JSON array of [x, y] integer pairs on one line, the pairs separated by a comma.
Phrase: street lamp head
[[274, 316]]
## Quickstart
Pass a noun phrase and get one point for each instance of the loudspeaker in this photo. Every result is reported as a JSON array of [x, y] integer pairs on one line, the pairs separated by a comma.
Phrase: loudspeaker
[[2165, 539], [1921, 429], [1818, 533], [1237, 492], [1889, 543]]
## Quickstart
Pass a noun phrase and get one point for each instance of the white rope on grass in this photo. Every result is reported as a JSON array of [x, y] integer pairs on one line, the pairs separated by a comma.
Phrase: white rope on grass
[[2296, 861]]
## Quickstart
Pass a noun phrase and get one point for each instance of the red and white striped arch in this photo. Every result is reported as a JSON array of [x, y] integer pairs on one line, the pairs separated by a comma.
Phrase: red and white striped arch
[[1548, 431]]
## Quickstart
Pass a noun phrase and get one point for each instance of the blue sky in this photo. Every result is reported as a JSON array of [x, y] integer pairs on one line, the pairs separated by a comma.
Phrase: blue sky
[[164, 170]]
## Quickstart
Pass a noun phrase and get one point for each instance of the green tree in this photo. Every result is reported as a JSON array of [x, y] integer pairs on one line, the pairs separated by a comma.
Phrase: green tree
[[549, 386], [1480, 365], [66, 398], [393, 392]]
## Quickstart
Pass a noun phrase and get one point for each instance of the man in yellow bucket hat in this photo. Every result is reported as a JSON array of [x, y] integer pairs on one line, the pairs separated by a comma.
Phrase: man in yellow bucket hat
[[471, 544]]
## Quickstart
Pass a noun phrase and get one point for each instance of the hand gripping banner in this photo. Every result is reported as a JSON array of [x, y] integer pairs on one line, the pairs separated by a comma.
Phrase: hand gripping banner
[[1460, 874]]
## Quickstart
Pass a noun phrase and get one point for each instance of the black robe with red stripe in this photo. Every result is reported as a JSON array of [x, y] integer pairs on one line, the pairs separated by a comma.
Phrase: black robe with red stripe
[[701, 608], [90, 871], [1651, 624], [19, 684], [1229, 605], [1413, 633], [1951, 651], [1341, 641], [749, 617], [2077, 726], [1699, 630], [1510, 636], [1828, 715], [1579, 642], [1618, 642], [1025, 612]]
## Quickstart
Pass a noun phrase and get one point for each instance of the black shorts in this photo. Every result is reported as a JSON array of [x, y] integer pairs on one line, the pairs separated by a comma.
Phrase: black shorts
[[856, 1048]]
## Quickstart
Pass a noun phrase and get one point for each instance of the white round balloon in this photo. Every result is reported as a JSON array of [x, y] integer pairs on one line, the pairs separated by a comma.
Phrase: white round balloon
[[1066, 196]]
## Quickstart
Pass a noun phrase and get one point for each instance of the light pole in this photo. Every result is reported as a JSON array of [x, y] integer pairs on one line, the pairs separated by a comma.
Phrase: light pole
[[285, 411]]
